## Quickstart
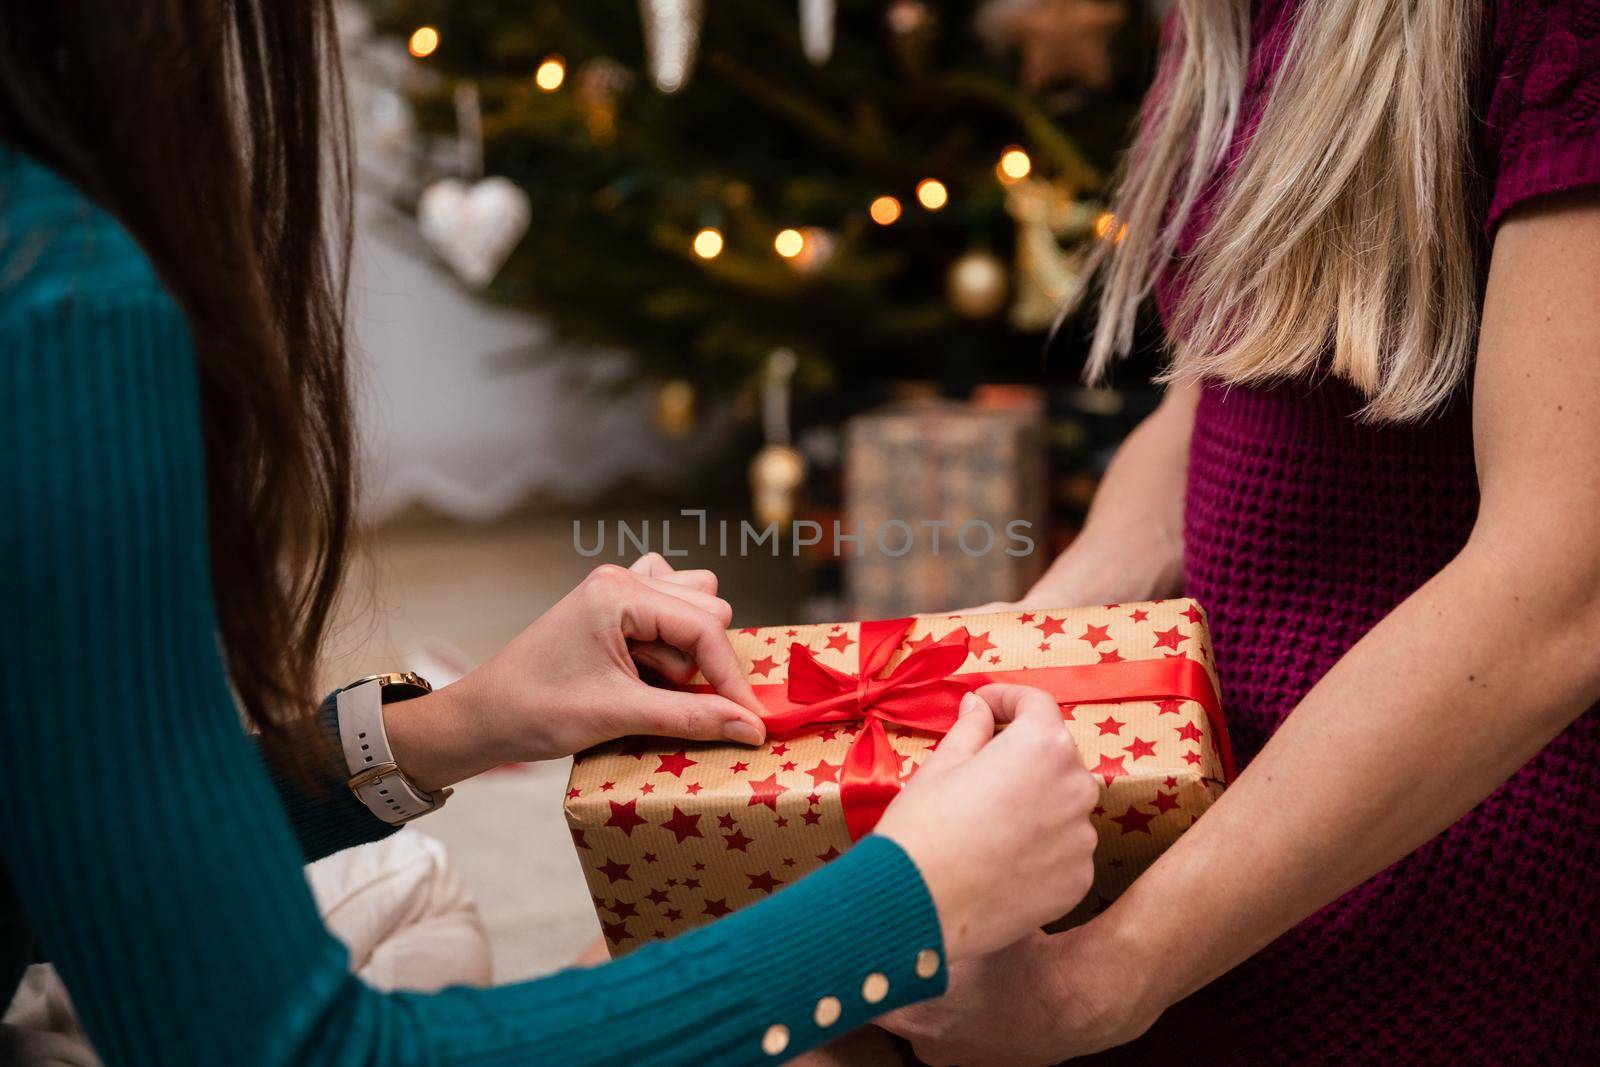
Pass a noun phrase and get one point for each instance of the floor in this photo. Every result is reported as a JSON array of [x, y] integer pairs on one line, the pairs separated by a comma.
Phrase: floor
[[428, 589]]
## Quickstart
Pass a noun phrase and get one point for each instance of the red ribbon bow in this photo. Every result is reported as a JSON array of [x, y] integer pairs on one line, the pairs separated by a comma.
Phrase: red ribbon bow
[[919, 693]]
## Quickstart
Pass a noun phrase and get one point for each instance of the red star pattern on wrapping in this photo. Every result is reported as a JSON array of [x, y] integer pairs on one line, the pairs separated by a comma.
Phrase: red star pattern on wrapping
[[825, 772], [1169, 638], [766, 791], [763, 882], [683, 825], [920, 642], [1135, 806], [675, 763], [625, 816], [616, 932], [1095, 634], [1140, 749], [1109, 767], [1133, 821], [649, 857]]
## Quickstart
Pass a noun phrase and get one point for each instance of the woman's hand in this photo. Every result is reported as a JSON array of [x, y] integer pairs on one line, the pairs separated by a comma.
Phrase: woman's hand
[[1042, 1000], [999, 826], [571, 680]]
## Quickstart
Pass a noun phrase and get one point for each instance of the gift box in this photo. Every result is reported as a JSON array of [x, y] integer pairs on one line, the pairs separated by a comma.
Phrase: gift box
[[673, 834], [950, 501]]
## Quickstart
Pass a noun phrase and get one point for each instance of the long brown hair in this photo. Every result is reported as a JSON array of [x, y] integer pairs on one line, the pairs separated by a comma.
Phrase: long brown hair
[[215, 131]]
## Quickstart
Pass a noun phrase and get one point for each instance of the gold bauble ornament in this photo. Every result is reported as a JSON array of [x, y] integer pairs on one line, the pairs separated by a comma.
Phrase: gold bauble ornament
[[776, 474], [674, 413], [977, 284]]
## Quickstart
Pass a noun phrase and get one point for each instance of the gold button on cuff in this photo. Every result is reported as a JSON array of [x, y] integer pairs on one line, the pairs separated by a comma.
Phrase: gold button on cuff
[[827, 1013], [875, 988], [775, 1040], [927, 963]]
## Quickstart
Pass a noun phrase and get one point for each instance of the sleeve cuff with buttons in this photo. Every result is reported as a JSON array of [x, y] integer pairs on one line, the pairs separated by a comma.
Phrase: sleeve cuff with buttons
[[838, 948], [864, 939]]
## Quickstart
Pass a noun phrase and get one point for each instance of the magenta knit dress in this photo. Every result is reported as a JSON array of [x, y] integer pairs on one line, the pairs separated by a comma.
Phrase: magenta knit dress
[[1303, 528]]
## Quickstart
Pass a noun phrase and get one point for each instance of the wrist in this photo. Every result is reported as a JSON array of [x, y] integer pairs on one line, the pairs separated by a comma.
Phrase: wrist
[[1113, 973], [434, 739]]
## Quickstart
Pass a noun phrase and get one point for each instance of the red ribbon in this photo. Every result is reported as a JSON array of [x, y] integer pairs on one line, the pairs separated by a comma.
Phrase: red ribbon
[[922, 693]]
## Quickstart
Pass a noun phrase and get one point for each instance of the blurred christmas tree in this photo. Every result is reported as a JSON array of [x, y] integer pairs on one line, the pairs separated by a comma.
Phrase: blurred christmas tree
[[889, 189]]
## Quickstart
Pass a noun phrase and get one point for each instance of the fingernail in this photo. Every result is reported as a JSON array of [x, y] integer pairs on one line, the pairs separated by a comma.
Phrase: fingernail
[[970, 702], [741, 732]]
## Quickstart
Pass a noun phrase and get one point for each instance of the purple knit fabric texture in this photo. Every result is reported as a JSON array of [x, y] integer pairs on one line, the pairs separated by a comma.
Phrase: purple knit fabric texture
[[1303, 529]]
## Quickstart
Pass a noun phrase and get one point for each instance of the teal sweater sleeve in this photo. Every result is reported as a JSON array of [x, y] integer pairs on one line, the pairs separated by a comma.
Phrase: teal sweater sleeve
[[141, 837]]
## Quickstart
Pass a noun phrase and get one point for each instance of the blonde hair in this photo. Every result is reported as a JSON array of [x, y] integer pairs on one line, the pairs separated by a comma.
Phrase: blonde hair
[[1343, 240]]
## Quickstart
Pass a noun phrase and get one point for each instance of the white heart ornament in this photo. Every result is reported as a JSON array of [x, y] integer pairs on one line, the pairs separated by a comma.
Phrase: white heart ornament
[[474, 227]]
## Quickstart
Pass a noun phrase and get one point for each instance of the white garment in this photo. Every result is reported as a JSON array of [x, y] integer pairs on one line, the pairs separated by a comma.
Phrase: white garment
[[404, 914]]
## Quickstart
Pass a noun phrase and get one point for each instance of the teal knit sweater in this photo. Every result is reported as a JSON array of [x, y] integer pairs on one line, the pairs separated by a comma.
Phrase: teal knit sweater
[[144, 848]]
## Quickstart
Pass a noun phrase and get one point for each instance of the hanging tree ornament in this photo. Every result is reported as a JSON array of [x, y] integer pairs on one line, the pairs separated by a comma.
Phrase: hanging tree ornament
[[816, 30], [977, 284], [674, 412], [779, 469], [671, 39], [1046, 272]]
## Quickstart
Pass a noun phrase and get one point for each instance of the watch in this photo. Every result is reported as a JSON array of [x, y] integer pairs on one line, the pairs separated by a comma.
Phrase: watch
[[375, 779]]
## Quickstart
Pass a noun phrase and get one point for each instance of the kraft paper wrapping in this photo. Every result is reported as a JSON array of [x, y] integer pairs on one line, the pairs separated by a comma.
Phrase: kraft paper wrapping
[[673, 834]]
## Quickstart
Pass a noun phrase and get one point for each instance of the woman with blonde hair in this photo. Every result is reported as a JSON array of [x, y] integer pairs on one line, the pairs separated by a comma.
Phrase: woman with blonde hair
[[1374, 234]]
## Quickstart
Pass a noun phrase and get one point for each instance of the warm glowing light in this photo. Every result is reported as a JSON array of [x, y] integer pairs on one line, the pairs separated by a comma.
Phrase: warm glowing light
[[932, 194], [1014, 165], [424, 41], [551, 73], [885, 210], [789, 243], [1106, 226], [708, 243]]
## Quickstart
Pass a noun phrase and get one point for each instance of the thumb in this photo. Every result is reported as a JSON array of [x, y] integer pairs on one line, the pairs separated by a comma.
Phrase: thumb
[[973, 729], [692, 716]]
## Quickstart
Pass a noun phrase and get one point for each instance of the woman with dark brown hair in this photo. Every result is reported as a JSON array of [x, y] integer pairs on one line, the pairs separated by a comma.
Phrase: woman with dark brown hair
[[175, 464]]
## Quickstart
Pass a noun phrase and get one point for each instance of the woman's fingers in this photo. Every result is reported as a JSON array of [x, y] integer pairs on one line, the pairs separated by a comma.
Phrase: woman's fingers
[[665, 660], [706, 602], [695, 716], [652, 565], [651, 615], [973, 729]]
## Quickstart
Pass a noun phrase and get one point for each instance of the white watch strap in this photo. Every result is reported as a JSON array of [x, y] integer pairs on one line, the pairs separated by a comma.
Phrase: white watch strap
[[374, 778]]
